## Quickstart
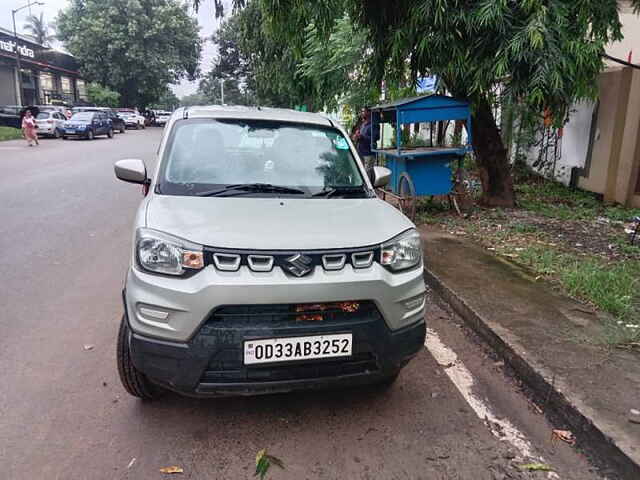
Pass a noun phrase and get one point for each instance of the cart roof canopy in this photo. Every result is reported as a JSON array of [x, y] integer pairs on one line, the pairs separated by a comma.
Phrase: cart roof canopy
[[427, 108]]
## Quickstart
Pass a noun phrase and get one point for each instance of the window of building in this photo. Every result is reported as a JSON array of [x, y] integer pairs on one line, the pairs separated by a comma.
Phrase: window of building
[[65, 83], [82, 89]]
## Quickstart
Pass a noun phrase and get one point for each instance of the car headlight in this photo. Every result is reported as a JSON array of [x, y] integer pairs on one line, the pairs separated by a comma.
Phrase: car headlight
[[402, 252], [160, 252]]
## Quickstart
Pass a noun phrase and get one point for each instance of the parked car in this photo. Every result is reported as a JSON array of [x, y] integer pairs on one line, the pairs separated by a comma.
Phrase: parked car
[[117, 122], [263, 267], [132, 119], [10, 116], [50, 123], [88, 125], [162, 117]]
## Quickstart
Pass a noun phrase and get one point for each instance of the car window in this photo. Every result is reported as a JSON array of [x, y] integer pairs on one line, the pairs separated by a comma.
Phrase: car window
[[42, 116], [202, 154], [84, 116]]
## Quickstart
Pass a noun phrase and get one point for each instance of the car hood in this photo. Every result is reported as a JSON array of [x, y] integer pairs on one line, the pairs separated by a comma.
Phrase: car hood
[[276, 223]]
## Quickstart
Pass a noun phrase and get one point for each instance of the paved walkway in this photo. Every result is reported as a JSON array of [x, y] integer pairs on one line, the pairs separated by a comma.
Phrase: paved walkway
[[545, 337]]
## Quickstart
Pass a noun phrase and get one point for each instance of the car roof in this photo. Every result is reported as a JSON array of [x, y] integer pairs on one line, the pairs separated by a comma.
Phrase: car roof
[[253, 113]]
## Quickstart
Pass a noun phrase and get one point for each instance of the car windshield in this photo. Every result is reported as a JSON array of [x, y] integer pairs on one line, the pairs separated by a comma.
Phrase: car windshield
[[209, 156], [82, 116]]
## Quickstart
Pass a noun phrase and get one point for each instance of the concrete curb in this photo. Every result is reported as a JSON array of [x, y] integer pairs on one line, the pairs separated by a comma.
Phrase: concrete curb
[[559, 401]]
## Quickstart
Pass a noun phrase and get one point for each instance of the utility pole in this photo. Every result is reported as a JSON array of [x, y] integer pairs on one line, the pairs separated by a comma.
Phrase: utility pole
[[15, 35], [222, 91]]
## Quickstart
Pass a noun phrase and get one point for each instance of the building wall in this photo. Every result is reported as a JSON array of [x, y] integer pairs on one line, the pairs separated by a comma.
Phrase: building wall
[[8, 85], [595, 178]]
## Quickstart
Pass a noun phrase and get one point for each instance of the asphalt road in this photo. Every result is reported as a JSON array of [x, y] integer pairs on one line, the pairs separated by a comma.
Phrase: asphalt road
[[64, 242]]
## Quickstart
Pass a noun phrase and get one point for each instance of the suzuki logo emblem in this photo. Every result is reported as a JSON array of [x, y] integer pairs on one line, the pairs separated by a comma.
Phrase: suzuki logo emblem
[[298, 264]]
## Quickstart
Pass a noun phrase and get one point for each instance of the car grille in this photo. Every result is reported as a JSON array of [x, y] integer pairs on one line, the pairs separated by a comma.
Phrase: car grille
[[226, 326], [266, 260], [338, 312]]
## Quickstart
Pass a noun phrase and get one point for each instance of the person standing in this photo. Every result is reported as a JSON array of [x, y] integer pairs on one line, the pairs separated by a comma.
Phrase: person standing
[[29, 129], [364, 137]]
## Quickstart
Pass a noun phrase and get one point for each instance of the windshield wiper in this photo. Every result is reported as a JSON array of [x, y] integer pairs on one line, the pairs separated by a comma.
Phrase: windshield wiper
[[329, 191], [242, 188]]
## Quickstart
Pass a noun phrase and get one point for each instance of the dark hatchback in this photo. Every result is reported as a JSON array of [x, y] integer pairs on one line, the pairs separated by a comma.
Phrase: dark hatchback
[[88, 125]]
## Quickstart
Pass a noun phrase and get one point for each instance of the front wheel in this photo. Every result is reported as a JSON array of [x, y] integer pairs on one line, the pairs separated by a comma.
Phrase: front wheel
[[110, 133], [134, 382], [90, 135], [56, 133], [137, 126], [122, 129]]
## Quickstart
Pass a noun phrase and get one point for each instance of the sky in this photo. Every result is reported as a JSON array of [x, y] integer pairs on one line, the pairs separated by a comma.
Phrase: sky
[[206, 19]]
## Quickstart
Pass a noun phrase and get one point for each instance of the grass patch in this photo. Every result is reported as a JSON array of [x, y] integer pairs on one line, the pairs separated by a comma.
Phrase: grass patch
[[554, 200], [10, 133], [613, 288]]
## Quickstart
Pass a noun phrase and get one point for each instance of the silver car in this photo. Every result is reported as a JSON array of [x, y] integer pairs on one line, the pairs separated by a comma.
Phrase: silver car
[[263, 261], [50, 123]]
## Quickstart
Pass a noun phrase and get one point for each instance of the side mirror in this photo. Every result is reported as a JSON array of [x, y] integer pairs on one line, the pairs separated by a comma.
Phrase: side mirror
[[379, 176], [131, 170]]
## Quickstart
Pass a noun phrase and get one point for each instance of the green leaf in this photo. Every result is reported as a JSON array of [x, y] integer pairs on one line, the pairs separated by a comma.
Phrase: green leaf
[[539, 467], [264, 461]]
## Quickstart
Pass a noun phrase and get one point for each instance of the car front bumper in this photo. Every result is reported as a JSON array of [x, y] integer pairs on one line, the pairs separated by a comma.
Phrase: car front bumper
[[176, 344], [211, 363], [75, 133]]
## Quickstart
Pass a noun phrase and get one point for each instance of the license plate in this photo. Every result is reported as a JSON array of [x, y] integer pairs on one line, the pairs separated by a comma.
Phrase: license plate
[[297, 348], [69, 130]]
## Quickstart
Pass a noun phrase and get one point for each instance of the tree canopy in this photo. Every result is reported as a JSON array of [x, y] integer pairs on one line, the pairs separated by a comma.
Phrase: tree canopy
[[38, 28], [542, 55], [135, 47], [102, 96]]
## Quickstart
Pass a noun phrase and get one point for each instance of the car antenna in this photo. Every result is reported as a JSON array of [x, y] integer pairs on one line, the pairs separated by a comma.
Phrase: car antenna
[[185, 114]]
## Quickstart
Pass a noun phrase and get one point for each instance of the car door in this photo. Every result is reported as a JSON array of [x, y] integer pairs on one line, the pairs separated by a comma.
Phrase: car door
[[58, 120], [104, 123]]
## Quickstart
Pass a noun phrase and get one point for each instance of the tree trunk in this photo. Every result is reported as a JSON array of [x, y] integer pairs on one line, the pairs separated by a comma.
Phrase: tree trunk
[[491, 155]]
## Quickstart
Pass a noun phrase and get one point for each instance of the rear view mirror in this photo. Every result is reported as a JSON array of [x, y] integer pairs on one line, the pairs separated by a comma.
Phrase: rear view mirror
[[131, 170], [379, 176]]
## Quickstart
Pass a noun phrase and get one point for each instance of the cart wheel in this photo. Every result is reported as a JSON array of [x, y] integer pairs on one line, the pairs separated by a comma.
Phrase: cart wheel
[[407, 193]]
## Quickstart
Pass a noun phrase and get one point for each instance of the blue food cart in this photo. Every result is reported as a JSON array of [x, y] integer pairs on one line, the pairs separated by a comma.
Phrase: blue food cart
[[425, 168]]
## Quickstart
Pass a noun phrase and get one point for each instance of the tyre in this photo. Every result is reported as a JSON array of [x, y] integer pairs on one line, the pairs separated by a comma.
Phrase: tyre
[[110, 133], [407, 193], [122, 129], [56, 133], [64, 137], [137, 126], [134, 382], [90, 135]]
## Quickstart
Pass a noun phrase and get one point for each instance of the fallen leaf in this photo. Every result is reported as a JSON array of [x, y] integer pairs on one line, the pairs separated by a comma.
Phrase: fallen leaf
[[88, 347], [564, 435], [536, 467], [172, 469], [133, 460], [264, 461]]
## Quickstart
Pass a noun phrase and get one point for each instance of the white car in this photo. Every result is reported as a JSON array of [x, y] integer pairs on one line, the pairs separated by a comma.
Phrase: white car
[[162, 117], [132, 119], [50, 123], [254, 273]]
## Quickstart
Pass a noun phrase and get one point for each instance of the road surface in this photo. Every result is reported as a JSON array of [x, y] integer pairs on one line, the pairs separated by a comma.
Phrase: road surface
[[65, 239]]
